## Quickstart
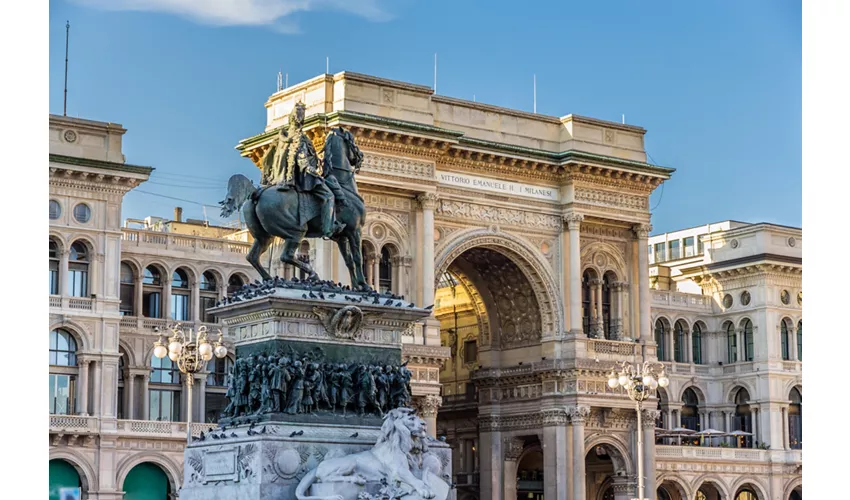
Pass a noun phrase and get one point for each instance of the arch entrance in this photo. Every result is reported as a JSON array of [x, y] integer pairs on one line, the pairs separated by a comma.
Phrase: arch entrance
[[147, 481], [606, 469], [63, 477]]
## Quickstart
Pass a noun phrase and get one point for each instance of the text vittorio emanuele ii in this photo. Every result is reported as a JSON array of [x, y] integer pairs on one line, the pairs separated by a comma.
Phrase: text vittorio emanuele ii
[[507, 187]]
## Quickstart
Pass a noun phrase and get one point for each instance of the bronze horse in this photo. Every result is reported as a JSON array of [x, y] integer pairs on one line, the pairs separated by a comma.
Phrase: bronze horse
[[277, 213]]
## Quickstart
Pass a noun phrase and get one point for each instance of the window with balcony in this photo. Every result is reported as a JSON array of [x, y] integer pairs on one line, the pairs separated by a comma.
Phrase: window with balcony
[[679, 341], [696, 339], [180, 296], [128, 291], [54, 268], [675, 250], [690, 250], [749, 346], [731, 344], [661, 334], [63, 372], [78, 270], [152, 292], [795, 419], [660, 252]]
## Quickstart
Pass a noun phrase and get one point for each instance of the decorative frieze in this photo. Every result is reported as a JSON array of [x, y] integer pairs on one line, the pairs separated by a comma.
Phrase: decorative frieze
[[496, 215], [396, 165], [611, 199]]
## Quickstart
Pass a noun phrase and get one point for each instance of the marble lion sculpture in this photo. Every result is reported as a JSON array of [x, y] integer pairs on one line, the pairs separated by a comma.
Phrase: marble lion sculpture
[[391, 461]]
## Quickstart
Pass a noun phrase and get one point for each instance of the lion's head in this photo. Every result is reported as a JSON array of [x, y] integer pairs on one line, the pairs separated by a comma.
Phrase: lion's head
[[402, 430]]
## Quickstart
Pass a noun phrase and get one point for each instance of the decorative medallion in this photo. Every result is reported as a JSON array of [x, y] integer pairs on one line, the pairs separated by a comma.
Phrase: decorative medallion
[[544, 248], [344, 323], [600, 260], [785, 297], [792, 242], [727, 301], [745, 298], [800, 298], [734, 243], [70, 136], [379, 231]]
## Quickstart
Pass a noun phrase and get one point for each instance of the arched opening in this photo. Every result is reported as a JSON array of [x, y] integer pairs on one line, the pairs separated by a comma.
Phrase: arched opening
[[690, 411], [784, 343], [731, 343], [146, 481], [679, 341], [385, 270], [214, 397], [164, 390], [669, 490], [234, 283], [64, 481], [209, 295], [795, 419], [63, 373], [743, 420], [529, 475], [123, 380], [127, 290], [696, 340], [749, 345], [796, 493], [78, 270], [708, 491], [800, 340], [608, 279], [54, 267], [661, 421], [180, 295], [746, 493], [152, 292], [602, 464], [662, 332], [590, 321]]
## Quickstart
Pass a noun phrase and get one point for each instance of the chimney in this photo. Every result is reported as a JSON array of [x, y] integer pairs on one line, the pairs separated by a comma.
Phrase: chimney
[[178, 214]]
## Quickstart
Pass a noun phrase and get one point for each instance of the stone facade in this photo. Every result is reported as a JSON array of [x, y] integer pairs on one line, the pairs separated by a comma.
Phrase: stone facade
[[530, 235]]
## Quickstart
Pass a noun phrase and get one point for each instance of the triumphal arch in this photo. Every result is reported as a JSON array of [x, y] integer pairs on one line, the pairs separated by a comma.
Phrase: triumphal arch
[[528, 233]]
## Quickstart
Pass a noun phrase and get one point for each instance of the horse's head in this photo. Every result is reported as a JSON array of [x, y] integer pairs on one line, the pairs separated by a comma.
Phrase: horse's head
[[239, 189], [355, 156], [340, 142]]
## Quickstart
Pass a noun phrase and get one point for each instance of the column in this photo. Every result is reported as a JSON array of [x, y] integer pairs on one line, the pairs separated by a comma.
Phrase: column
[[83, 388], [555, 453], [397, 286], [428, 407], [573, 221], [195, 313], [513, 449], [642, 233], [428, 203], [648, 430], [138, 306], [491, 463], [130, 390], [98, 383], [688, 347], [792, 349], [578, 416], [621, 325], [739, 335], [166, 298], [368, 268], [786, 430], [376, 270], [146, 397], [756, 425]]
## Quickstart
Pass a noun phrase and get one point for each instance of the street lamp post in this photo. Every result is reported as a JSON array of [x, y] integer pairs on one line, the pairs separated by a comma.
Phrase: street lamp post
[[190, 351], [639, 380]]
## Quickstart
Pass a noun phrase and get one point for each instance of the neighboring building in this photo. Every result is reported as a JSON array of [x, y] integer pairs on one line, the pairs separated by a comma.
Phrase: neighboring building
[[529, 234]]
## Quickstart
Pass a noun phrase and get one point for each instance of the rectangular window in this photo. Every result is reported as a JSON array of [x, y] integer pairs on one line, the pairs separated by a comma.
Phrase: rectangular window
[[651, 254], [151, 305], [783, 338], [214, 404], [674, 250], [180, 307], [660, 252], [54, 278], [207, 303], [78, 285], [679, 347], [164, 405], [470, 351], [749, 348], [128, 299], [700, 248], [61, 394], [689, 247]]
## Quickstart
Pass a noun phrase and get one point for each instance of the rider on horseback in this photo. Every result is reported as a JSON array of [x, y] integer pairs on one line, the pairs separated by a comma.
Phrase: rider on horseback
[[296, 149]]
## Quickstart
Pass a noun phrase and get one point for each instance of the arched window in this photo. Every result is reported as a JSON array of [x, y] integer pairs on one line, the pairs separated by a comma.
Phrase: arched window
[[746, 494], [696, 339], [662, 494], [234, 283], [661, 340], [586, 292], [690, 410], [63, 371], [152, 293], [180, 296], [749, 348], [209, 294], [743, 420], [800, 340], [54, 268], [783, 339], [78, 270], [607, 280], [795, 419], [385, 271], [128, 291], [679, 341], [122, 367], [731, 344], [164, 390]]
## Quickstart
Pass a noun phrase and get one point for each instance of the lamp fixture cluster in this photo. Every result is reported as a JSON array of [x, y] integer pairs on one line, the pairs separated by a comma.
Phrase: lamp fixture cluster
[[639, 380], [188, 349]]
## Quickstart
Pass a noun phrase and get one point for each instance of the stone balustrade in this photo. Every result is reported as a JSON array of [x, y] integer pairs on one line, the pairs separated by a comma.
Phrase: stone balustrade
[[150, 325], [681, 300], [73, 303], [196, 244], [73, 424], [79, 424], [675, 453]]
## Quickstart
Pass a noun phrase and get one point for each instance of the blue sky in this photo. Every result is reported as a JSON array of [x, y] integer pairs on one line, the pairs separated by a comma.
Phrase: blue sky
[[716, 84]]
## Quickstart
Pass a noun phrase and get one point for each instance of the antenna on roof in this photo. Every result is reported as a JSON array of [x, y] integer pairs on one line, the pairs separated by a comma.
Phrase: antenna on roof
[[327, 65], [535, 94], [286, 81], [279, 81], [65, 102], [624, 118], [435, 72], [473, 98]]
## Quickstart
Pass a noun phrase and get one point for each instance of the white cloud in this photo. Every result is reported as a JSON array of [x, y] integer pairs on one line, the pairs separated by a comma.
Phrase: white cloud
[[244, 12]]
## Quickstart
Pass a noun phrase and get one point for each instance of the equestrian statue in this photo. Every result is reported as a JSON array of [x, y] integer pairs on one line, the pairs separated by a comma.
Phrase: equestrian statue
[[304, 196]]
